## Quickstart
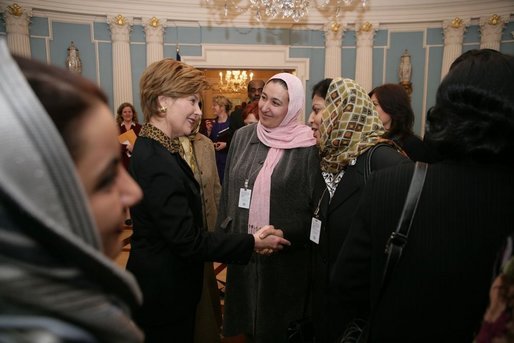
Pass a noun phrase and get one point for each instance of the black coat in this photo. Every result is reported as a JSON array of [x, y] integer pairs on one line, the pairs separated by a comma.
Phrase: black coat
[[439, 290], [169, 244], [416, 149], [336, 218]]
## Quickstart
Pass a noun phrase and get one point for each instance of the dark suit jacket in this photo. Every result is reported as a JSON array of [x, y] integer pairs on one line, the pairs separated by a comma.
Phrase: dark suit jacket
[[336, 219], [439, 289], [169, 244], [236, 121], [417, 150]]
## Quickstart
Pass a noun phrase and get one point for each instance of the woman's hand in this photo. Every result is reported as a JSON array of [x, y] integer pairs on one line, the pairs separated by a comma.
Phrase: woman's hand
[[496, 302], [220, 146], [268, 240]]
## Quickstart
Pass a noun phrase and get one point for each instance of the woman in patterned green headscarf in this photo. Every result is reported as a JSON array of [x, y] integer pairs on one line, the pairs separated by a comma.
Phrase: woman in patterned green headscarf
[[349, 125], [349, 134]]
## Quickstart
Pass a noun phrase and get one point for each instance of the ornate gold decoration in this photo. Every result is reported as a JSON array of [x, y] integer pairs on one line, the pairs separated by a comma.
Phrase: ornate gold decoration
[[456, 22], [154, 22], [494, 20], [335, 27], [15, 10], [366, 27], [120, 20]]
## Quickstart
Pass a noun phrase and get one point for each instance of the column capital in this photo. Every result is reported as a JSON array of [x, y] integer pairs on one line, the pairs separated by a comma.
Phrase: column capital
[[491, 29], [17, 19], [334, 33], [154, 29], [454, 29], [120, 27], [365, 32]]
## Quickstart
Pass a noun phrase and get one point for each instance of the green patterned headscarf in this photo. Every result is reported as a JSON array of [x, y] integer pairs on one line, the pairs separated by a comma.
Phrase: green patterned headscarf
[[350, 125]]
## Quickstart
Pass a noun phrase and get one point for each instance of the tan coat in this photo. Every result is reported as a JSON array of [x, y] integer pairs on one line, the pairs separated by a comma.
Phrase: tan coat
[[208, 178], [208, 315]]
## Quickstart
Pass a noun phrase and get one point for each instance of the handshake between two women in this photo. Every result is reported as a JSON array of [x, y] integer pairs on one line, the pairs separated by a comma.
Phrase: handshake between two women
[[269, 240]]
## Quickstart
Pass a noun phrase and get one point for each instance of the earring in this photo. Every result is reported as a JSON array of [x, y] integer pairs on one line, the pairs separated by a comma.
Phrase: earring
[[163, 109]]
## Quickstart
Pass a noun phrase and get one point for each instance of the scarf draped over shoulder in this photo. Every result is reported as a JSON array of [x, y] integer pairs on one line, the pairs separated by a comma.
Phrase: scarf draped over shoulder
[[290, 134]]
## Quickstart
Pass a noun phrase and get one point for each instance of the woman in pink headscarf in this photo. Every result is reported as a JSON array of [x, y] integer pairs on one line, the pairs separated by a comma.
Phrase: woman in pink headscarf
[[270, 177]]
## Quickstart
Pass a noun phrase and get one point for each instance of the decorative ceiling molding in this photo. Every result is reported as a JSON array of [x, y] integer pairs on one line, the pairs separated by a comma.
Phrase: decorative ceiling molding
[[385, 12]]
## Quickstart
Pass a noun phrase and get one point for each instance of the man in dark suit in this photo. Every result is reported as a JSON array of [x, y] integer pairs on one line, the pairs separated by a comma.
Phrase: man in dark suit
[[254, 93]]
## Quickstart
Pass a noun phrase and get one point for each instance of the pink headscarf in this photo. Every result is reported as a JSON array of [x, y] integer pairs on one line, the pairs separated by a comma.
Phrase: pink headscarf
[[289, 134]]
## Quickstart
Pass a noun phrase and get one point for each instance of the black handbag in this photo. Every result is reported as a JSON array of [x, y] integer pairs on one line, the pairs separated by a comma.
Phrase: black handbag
[[300, 331], [358, 330]]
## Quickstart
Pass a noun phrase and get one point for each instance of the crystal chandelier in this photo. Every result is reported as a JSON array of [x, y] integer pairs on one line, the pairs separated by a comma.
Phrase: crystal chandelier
[[294, 9], [234, 81]]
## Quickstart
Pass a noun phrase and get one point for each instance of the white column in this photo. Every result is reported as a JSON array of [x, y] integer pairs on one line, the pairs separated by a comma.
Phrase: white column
[[453, 38], [17, 22], [154, 31], [491, 30], [333, 41], [364, 55], [121, 65]]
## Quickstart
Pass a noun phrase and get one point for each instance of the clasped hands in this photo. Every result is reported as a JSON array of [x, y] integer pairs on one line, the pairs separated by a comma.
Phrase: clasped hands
[[220, 146], [269, 240]]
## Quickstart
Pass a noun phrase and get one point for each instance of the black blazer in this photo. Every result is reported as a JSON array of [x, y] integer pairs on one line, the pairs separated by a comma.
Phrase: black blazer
[[336, 218], [169, 244], [439, 290], [416, 149]]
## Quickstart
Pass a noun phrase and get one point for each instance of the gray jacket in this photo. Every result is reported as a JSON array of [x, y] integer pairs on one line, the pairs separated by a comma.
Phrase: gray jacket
[[265, 295]]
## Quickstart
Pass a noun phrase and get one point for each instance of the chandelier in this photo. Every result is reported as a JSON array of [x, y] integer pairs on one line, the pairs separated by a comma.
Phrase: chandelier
[[294, 9], [234, 81]]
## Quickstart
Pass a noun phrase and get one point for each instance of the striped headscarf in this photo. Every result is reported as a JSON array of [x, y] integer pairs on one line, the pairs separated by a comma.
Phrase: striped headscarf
[[51, 264], [350, 125]]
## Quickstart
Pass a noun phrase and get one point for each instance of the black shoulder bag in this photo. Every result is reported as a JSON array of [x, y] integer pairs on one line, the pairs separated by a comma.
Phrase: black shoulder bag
[[358, 331]]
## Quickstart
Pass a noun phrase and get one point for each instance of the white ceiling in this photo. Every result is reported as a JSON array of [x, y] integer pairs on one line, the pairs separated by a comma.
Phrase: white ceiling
[[210, 13]]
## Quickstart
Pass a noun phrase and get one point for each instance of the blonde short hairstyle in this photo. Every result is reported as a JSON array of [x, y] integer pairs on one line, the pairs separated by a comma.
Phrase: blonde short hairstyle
[[223, 101], [171, 78]]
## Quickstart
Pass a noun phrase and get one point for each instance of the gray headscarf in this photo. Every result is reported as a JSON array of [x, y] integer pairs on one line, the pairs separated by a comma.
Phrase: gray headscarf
[[51, 263]]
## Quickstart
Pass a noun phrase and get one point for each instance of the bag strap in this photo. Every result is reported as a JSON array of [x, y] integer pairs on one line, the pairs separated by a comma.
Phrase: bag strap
[[394, 246], [369, 158], [398, 239]]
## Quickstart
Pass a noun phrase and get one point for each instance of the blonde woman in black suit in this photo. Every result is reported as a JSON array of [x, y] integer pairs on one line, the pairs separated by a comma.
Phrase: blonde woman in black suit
[[170, 242]]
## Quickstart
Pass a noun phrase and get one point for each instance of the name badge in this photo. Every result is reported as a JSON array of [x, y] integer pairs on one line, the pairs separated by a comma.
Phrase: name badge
[[244, 198], [315, 230]]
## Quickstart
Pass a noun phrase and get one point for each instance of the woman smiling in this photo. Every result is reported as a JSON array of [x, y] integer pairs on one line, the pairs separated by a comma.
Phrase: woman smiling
[[271, 171], [170, 241]]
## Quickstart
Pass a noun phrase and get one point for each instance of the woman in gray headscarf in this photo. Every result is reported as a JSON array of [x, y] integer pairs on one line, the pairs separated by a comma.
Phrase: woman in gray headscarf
[[62, 194]]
